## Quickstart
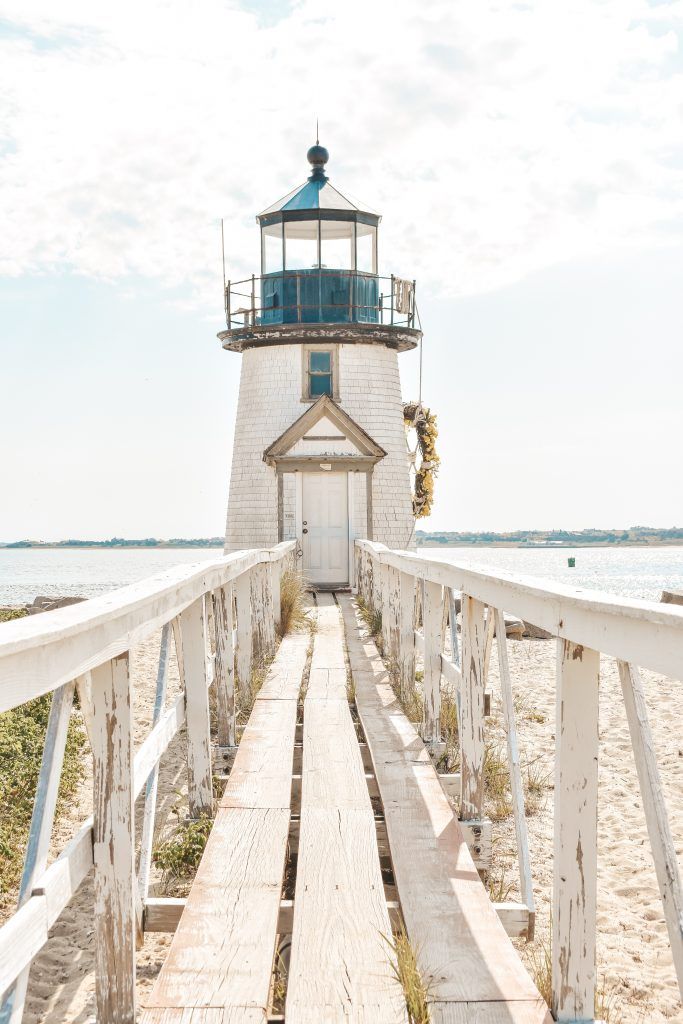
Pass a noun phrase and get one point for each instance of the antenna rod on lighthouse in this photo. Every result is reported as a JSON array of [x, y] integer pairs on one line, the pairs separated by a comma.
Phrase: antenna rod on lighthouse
[[225, 299]]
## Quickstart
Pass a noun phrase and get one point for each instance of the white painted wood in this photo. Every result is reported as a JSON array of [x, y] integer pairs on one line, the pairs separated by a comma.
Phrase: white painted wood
[[406, 633], [52, 649], [45, 803], [276, 570], [656, 817], [192, 668], [516, 786], [113, 843], [22, 937], [325, 542], [575, 849], [488, 642], [462, 949], [147, 839], [431, 615], [472, 710], [642, 632], [244, 642], [385, 588], [225, 662], [453, 622]]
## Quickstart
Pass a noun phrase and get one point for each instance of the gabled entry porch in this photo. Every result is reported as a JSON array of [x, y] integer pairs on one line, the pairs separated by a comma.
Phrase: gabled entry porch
[[324, 463]]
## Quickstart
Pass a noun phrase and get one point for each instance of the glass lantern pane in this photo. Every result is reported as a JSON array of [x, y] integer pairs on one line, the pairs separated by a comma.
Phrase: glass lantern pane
[[320, 361], [272, 248], [336, 244], [366, 248], [301, 244], [321, 384]]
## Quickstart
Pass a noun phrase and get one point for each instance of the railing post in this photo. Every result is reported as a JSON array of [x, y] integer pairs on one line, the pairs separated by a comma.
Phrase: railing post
[[224, 674], [472, 710], [192, 665], [431, 628], [385, 571], [228, 309], [376, 583], [253, 300], [392, 300], [575, 855], [113, 843], [262, 625], [394, 619], [275, 579], [244, 653], [406, 633]]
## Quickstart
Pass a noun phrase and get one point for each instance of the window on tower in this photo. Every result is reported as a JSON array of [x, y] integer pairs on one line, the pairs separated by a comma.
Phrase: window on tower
[[319, 373]]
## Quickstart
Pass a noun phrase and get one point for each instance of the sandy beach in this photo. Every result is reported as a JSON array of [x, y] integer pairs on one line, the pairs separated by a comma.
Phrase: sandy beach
[[635, 968]]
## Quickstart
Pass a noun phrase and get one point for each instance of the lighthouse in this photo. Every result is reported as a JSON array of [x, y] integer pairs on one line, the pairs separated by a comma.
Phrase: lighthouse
[[320, 449]]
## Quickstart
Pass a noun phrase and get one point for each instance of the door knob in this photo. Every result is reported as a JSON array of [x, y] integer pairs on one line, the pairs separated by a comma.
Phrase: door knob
[[304, 531]]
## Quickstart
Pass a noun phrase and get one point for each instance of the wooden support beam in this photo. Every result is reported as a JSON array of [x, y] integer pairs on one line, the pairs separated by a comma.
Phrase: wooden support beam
[[192, 665], [385, 591], [575, 854], [472, 710], [225, 665], [113, 843]]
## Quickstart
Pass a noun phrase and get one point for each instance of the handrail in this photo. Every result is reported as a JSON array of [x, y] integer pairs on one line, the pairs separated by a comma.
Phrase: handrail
[[88, 644], [636, 633], [395, 307]]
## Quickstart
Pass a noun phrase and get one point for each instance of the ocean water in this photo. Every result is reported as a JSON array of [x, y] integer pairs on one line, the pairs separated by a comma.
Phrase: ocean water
[[26, 573], [628, 571], [632, 572]]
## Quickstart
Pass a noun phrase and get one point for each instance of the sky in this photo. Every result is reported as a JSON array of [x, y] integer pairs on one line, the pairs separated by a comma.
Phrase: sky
[[527, 158]]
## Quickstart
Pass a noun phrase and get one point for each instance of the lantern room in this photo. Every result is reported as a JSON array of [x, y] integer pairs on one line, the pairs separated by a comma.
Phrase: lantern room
[[318, 254]]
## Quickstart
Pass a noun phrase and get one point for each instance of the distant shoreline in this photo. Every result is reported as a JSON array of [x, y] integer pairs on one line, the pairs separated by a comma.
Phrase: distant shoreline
[[553, 547]]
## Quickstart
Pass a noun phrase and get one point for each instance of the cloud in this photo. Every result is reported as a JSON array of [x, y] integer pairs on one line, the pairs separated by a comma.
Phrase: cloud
[[496, 138]]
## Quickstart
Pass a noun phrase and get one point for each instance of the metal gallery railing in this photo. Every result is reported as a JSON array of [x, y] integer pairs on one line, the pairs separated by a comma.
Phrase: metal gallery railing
[[320, 295]]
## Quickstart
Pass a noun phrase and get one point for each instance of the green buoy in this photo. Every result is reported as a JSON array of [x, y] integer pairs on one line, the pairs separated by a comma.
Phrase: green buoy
[[571, 562]]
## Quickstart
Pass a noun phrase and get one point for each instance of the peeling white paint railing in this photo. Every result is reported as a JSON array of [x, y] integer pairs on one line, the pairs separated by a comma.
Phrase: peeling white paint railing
[[86, 647], [636, 633]]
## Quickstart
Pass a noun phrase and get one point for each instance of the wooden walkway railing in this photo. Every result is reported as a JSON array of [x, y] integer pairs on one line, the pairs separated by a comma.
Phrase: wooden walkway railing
[[638, 634], [85, 648]]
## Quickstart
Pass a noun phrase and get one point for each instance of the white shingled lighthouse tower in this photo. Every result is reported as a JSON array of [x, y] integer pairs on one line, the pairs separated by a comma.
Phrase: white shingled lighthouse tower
[[320, 451]]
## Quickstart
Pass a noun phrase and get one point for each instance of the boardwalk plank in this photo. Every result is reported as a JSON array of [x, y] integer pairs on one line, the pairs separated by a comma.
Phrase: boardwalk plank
[[462, 948], [218, 968], [340, 968]]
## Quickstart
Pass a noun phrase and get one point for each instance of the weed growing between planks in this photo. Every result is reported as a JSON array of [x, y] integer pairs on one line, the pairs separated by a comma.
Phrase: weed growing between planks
[[404, 965]]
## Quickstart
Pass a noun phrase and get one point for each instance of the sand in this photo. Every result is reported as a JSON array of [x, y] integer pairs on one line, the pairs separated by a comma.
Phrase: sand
[[634, 960], [635, 966]]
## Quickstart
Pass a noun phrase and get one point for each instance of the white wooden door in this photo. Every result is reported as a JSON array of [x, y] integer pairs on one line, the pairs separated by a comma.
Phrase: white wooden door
[[325, 527]]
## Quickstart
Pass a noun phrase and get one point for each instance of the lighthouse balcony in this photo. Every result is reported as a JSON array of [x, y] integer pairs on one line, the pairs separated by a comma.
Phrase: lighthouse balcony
[[293, 303]]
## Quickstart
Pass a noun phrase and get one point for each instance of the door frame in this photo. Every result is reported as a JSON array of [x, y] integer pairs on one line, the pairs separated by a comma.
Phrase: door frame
[[298, 520]]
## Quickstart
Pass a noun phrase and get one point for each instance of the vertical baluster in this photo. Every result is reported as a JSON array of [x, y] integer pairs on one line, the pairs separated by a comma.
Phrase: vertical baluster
[[113, 843], [42, 818], [575, 854], [453, 621], [406, 633], [225, 666], [394, 618], [192, 665], [147, 840], [431, 627], [275, 578], [244, 655], [654, 805], [472, 710], [385, 571]]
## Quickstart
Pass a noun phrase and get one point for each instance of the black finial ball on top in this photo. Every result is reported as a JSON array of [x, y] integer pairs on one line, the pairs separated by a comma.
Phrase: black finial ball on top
[[317, 158]]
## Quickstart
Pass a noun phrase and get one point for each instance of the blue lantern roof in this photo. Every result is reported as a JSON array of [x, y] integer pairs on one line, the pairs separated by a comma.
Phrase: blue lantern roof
[[316, 193]]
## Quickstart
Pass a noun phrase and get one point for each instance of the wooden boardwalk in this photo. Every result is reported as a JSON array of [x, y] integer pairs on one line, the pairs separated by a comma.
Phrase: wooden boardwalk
[[341, 969]]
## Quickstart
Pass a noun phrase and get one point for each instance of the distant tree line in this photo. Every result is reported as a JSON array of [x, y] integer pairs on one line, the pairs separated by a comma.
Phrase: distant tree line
[[633, 535], [121, 542]]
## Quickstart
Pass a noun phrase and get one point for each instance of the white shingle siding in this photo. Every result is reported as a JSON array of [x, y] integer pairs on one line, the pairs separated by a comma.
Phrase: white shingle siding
[[269, 402]]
